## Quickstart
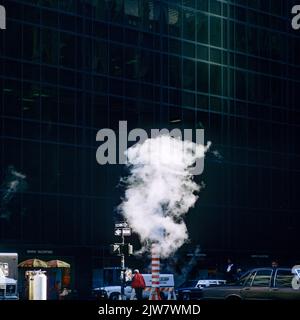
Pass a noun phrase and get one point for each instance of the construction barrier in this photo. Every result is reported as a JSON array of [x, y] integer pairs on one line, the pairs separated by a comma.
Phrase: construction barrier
[[169, 293], [155, 270]]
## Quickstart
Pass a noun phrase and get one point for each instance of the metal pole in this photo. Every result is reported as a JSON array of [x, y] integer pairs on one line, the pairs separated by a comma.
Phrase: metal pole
[[123, 268]]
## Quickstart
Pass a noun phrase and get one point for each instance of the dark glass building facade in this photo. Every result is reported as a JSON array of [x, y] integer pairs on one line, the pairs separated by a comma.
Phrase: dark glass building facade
[[69, 68]]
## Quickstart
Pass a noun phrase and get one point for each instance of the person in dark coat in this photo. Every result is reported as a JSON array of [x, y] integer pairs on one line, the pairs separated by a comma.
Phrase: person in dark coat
[[138, 284], [230, 271]]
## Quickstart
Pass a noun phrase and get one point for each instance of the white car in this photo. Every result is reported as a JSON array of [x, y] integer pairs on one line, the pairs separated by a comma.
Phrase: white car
[[166, 288]]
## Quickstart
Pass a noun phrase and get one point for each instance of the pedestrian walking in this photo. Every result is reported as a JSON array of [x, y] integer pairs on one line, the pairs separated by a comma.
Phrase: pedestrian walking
[[138, 284]]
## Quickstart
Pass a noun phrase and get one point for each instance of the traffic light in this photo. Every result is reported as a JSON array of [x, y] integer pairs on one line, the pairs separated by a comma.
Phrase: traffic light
[[119, 248]]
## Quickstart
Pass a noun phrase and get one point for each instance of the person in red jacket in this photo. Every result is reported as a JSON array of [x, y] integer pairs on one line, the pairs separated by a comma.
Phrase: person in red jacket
[[138, 284]]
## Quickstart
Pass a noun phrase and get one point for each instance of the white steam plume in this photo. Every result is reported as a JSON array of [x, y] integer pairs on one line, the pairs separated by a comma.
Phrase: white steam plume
[[160, 190], [14, 183]]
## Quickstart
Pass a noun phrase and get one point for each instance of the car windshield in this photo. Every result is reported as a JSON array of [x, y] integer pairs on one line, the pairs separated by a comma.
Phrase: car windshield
[[189, 284], [241, 280]]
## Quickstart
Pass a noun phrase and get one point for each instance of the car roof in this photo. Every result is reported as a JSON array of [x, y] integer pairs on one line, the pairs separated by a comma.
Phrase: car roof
[[210, 280], [270, 268]]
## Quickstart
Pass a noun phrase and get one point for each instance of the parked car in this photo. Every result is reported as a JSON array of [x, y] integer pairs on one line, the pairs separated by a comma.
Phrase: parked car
[[191, 290], [257, 284]]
